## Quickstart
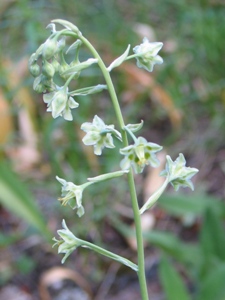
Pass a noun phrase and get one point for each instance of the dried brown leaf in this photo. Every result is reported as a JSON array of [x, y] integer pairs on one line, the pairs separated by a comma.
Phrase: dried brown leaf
[[57, 274]]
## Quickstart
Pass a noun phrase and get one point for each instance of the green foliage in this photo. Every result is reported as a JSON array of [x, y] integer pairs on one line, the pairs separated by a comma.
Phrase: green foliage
[[192, 74], [203, 261], [212, 237], [25, 264], [212, 287], [172, 283], [193, 205], [17, 199]]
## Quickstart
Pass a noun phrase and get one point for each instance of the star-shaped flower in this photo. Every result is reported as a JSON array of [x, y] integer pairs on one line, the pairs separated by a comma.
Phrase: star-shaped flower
[[99, 134], [178, 174], [139, 155], [60, 103], [73, 194], [68, 242], [148, 54]]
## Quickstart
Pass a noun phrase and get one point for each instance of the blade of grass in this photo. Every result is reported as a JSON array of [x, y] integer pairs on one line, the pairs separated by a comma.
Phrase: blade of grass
[[172, 282], [17, 199]]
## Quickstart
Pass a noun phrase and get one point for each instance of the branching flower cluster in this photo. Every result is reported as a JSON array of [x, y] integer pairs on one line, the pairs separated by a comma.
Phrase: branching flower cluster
[[50, 62]]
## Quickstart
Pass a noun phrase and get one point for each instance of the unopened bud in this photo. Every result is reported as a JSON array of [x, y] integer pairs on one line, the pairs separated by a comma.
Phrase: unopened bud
[[38, 85], [47, 69], [48, 83], [34, 69], [55, 64], [62, 69], [50, 48]]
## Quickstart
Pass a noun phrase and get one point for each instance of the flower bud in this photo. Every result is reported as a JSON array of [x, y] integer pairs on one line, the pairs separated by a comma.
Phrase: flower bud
[[38, 85], [48, 83], [48, 69], [55, 64], [34, 69], [32, 59], [50, 48], [63, 67]]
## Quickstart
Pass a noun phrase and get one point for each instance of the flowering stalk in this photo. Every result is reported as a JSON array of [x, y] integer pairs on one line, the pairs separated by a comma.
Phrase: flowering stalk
[[60, 102], [133, 194]]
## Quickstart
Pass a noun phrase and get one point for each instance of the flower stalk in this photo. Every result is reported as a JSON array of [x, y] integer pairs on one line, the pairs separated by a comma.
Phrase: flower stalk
[[137, 218], [137, 156]]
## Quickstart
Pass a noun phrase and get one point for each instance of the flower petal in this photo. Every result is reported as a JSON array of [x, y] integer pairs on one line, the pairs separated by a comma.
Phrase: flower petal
[[72, 103], [108, 141], [125, 163], [66, 113], [91, 138], [98, 149]]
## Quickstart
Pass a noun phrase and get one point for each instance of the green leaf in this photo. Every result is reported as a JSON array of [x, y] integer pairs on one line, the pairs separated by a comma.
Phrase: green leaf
[[166, 241], [17, 199], [212, 237], [194, 204], [172, 283], [170, 244], [6, 239], [213, 287]]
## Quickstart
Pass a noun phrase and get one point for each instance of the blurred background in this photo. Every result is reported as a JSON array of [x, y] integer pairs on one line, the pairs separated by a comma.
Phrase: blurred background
[[182, 104]]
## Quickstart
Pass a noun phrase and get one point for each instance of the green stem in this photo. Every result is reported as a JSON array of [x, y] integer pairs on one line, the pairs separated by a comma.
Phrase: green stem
[[137, 218], [131, 134], [109, 254]]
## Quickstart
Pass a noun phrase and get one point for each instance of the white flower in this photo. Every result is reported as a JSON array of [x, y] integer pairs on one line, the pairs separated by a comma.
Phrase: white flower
[[73, 194], [99, 135], [68, 242], [60, 103], [178, 174], [139, 155], [147, 54]]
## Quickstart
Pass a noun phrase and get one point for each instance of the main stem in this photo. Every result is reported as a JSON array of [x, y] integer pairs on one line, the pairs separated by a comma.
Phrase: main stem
[[133, 194]]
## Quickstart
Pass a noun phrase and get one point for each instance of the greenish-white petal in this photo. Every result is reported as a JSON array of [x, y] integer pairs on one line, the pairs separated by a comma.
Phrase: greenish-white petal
[[98, 149], [125, 163], [66, 113], [108, 141], [91, 138]]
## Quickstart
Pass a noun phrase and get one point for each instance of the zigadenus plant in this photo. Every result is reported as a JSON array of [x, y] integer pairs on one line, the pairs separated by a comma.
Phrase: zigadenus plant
[[44, 64]]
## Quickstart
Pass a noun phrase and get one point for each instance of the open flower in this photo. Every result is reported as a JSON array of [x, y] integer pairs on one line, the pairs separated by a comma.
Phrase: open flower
[[147, 54], [139, 155], [68, 242], [178, 174], [73, 194], [60, 103], [99, 134]]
